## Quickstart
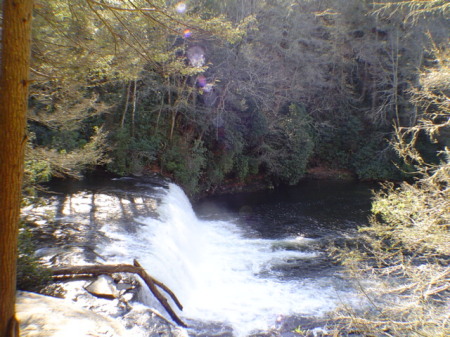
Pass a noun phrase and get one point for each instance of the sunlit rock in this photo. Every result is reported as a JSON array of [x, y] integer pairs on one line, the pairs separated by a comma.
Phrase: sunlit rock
[[152, 322], [45, 316], [103, 287]]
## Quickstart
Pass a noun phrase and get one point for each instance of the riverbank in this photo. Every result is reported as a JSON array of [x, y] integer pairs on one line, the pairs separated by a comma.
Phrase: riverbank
[[260, 183]]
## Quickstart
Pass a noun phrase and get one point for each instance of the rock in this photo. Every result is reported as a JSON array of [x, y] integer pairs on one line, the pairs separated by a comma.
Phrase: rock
[[103, 287], [45, 316], [179, 332], [48, 251], [125, 286], [210, 329], [310, 326], [127, 297], [152, 322]]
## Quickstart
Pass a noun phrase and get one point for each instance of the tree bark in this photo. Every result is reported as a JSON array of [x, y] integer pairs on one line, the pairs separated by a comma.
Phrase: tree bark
[[14, 68], [133, 111], [127, 89], [127, 268]]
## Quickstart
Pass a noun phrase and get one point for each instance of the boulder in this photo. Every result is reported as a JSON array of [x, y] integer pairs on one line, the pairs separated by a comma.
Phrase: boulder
[[103, 287], [45, 316]]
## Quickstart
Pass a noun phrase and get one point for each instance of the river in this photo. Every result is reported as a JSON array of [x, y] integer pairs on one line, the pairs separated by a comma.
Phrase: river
[[240, 264]]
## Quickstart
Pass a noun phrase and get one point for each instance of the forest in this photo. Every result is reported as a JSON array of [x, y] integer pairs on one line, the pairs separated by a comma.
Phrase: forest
[[212, 93], [232, 93]]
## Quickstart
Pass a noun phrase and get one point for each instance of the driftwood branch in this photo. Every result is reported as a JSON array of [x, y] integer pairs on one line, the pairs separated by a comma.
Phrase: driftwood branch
[[101, 269]]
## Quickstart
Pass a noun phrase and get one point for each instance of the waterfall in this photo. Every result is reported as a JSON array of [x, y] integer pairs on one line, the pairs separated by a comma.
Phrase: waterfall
[[219, 273]]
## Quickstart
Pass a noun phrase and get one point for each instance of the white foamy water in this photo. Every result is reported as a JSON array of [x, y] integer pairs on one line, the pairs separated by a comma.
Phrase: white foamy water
[[217, 273]]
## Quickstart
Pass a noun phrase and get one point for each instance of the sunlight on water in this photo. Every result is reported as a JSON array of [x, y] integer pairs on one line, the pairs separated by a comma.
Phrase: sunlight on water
[[218, 274]]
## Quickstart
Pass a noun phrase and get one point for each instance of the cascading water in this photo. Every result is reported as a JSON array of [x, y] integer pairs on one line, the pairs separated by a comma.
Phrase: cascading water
[[219, 273]]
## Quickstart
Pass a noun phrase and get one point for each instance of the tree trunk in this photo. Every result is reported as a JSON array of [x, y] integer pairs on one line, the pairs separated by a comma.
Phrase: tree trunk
[[133, 111], [127, 89], [15, 60]]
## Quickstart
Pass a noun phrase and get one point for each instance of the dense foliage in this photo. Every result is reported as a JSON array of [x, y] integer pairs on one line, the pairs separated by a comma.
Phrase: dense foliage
[[219, 91]]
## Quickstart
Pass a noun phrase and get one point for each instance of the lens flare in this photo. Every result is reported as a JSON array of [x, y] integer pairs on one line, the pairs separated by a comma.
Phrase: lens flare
[[187, 33], [181, 7], [201, 81], [208, 87]]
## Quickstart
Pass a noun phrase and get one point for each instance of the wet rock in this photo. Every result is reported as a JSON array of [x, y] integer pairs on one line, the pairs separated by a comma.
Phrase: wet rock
[[266, 334], [54, 290], [48, 251], [209, 329], [103, 287], [180, 332], [44, 316], [75, 292], [126, 282], [151, 321], [124, 286], [127, 297], [295, 326]]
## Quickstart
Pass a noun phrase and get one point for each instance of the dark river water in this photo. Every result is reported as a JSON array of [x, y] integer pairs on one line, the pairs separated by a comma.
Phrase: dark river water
[[313, 208]]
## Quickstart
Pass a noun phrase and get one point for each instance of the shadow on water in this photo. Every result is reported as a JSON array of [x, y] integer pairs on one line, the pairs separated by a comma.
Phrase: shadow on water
[[81, 208]]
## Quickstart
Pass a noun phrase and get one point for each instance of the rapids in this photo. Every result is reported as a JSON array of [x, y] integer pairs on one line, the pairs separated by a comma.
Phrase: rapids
[[225, 273]]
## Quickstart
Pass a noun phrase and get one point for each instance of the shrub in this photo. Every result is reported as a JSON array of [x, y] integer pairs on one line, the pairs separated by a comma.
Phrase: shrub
[[376, 160], [31, 275]]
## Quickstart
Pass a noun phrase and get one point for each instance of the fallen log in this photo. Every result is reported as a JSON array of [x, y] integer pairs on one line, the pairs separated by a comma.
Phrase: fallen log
[[102, 269]]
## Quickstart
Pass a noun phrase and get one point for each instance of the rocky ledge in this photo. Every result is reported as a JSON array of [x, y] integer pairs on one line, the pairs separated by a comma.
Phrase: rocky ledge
[[85, 315], [41, 315]]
